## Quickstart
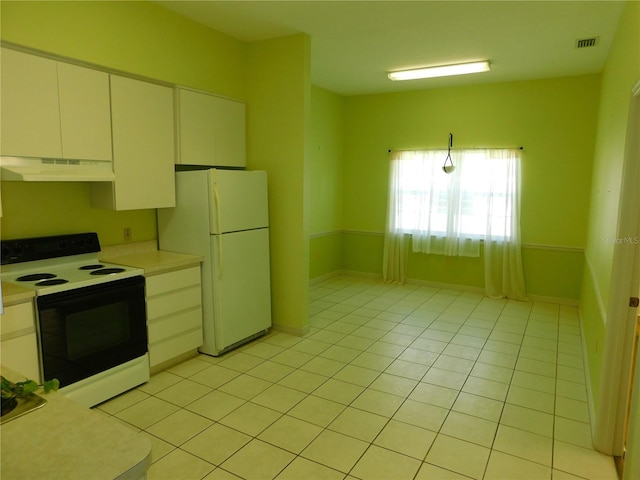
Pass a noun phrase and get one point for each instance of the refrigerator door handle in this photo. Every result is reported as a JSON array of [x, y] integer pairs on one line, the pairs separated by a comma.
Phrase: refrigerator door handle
[[216, 196]]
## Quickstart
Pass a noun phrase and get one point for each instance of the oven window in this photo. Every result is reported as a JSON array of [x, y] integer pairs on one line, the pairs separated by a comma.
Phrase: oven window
[[97, 329]]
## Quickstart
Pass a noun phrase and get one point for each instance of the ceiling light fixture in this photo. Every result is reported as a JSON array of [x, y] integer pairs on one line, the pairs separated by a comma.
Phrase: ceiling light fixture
[[440, 71]]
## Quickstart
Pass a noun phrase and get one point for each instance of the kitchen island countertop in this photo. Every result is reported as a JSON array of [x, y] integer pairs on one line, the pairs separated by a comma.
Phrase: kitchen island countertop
[[68, 441]]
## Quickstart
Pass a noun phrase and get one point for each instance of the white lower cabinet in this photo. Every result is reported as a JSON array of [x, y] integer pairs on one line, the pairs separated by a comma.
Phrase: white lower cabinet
[[174, 314], [19, 344]]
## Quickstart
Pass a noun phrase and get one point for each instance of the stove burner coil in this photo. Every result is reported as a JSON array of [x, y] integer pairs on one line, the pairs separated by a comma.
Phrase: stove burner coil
[[55, 281], [107, 271], [35, 277], [91, 267]]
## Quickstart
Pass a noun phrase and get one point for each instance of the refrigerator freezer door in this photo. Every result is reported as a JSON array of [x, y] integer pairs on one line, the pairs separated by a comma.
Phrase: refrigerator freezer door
[[241, 279], [239, 200]]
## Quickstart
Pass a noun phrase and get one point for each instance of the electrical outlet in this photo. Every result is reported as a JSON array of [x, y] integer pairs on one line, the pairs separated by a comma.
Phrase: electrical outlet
[[127, 234]]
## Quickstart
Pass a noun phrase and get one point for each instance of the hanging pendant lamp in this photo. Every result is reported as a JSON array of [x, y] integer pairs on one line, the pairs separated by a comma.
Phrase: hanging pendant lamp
[[450, 167]]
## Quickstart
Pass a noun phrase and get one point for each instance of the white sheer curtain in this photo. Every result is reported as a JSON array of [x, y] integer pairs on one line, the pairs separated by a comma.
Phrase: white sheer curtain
[[503, 272], [450, 214], [395, 255]]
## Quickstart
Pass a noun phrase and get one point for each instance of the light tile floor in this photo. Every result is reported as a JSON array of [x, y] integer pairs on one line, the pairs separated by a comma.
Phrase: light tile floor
[[392, 382]]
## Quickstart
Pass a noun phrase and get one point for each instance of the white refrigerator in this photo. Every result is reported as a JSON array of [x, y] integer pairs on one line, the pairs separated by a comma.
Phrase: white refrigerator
[[222, 215]]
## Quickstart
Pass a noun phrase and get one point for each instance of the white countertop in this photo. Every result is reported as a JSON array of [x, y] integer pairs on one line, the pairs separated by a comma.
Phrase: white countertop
[[154, 262], [12, 294], [64, 440]]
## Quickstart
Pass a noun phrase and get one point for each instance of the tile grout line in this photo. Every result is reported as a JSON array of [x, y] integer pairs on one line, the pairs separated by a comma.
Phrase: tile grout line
[[379, 372]]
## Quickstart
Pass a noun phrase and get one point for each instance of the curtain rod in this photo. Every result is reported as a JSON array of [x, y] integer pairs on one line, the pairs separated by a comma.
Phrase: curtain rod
[[480, 148]]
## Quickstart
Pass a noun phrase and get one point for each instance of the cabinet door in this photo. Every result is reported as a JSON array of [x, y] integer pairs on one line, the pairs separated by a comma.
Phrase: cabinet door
[[211, 130], [30, 121], [20, 354], [85, 113], [143, 147], [19, 347]]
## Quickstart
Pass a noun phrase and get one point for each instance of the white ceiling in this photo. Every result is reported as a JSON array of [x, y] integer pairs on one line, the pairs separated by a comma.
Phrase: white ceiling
[[355, 43]]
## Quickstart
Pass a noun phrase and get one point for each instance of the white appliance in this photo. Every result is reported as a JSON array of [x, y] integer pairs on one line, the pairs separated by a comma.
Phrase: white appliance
[[222, 215], [90, 315]]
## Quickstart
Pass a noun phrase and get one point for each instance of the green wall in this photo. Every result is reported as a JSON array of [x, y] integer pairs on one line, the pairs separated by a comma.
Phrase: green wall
[[278, 132], [327, 144], [36, 209], [554, 119], [621, 72], [325, 188], [136, 37]]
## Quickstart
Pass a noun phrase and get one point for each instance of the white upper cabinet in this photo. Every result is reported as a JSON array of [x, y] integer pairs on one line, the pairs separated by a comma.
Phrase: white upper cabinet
[[211, 130], [53, 109], [143, 147], [85, 112], [30, 113]]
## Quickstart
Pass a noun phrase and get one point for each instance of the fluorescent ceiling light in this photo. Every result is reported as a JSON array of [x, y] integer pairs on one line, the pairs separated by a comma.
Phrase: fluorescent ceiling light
[[440, 71]]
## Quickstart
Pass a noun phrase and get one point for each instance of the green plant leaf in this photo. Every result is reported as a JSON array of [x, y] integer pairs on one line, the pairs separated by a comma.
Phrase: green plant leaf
[[21, 389], [51, 385], [26, 387], [5, 385]]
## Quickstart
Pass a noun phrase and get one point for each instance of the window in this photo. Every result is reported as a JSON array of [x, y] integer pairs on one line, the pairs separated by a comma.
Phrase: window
[[450, 213]]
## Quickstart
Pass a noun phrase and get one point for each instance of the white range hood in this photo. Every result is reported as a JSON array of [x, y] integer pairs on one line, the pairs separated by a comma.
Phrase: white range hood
[[24, 169]]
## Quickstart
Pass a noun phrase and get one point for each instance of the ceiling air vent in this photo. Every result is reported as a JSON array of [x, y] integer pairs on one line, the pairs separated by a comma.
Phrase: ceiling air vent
[[587, 42]]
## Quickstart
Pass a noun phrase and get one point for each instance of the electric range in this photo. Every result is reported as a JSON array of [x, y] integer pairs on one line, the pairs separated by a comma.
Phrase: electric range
[[90, 315]]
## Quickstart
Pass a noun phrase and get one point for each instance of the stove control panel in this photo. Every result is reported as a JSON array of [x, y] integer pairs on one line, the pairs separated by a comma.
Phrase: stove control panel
[[40, 248]]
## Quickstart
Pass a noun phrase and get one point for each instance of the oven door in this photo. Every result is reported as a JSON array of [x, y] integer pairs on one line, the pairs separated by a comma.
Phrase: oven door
[[92, 329]]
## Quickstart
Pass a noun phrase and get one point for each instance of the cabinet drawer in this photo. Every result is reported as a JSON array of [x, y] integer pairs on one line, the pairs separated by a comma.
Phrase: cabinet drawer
[[16, 318], [173, 302], [174, 325], [173, 347], [21, 355], [159, 284]]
